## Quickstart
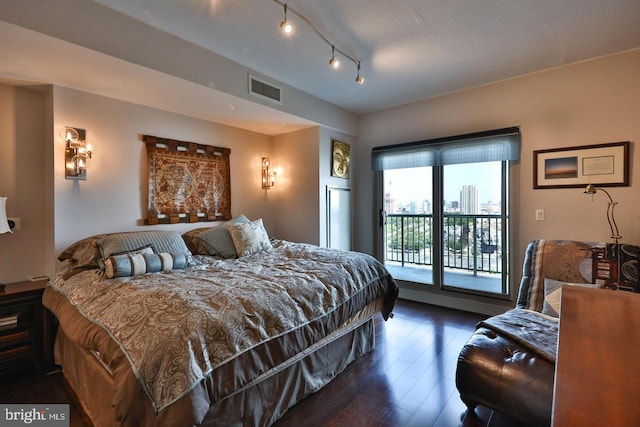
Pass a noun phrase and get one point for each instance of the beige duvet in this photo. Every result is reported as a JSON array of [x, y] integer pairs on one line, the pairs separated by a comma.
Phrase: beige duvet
[[216, 326]]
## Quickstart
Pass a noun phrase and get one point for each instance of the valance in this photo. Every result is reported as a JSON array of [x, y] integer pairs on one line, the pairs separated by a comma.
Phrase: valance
[[488, 146]]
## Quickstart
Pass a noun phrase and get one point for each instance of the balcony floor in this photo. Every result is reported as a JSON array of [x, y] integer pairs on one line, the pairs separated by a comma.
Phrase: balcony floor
[[483, 282]]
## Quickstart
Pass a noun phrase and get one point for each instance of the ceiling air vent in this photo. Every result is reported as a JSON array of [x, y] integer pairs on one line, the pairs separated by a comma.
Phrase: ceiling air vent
[[264, 90]]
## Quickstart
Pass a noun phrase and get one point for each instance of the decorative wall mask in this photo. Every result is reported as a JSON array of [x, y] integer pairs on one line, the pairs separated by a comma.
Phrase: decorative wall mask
[[341, 152]]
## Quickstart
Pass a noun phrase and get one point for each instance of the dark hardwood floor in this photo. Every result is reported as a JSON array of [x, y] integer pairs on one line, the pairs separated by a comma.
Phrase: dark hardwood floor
[[408, 380]]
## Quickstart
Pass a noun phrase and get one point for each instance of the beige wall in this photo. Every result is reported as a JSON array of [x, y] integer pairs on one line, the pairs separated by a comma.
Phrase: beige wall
[[587, 103], [55, 212], [113, 198], [326, 180], [114, 195], [299, 205], [294, 198], [22, 128]]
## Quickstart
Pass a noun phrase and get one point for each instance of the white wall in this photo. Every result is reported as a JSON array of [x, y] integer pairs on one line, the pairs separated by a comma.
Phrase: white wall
[[587, 103]]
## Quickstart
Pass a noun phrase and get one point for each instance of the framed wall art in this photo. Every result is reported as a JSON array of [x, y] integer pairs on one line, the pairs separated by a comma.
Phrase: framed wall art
[[341, 156], [574, 167]]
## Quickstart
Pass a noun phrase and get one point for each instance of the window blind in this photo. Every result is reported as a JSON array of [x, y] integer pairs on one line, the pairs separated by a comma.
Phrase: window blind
[[487, 146]]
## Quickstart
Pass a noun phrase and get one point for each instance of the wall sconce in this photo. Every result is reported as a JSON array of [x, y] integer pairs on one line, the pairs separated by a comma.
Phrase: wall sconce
[[615, 234], [268, 174], [77, 153]]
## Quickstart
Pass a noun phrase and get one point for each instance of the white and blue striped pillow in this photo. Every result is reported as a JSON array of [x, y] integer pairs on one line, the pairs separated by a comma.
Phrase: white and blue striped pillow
[[142, 263]]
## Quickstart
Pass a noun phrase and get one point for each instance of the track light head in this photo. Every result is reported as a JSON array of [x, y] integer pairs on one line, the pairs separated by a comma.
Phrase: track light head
[[285, 25], [287, 28], [359, 78], [333, 62]]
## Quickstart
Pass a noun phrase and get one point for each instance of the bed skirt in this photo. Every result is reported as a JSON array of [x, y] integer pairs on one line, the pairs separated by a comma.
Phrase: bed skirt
[[260, 403]]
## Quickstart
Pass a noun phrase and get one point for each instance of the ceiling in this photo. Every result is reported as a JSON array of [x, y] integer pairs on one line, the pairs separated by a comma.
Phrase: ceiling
[[410, 50]]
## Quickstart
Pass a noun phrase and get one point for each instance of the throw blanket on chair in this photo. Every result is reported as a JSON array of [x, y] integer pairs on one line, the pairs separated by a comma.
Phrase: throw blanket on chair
[[534, 331]]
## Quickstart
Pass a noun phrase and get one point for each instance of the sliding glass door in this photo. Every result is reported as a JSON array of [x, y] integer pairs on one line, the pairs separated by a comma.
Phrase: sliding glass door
[[408, 229], [445, 211], [461, 233], [475, 217]]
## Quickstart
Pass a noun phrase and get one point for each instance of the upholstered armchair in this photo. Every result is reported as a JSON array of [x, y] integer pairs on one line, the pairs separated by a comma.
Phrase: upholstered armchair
[[508, 364]]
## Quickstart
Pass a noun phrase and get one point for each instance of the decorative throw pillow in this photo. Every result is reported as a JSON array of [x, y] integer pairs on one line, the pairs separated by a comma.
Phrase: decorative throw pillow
[[84, 252], [217, 240], [553, 295], [162, 241], [250, 238], [141, 263], [195, 245]]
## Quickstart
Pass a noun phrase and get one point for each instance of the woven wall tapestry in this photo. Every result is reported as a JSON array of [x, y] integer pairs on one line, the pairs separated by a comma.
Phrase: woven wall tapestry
[[188, 182]]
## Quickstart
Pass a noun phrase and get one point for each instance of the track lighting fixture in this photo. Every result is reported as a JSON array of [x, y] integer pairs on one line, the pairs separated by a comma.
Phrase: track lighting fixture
[[333, 62], [287, 28], [285, 25]]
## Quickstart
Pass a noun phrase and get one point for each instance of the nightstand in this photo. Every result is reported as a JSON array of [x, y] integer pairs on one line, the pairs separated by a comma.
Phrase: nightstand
[[23, 326]]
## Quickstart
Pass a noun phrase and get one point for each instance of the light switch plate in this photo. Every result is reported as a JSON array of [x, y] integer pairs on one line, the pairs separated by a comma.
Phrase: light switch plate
[[539, 214]]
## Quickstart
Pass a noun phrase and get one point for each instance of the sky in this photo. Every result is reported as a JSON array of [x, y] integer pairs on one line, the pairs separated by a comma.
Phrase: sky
[[414, 184]]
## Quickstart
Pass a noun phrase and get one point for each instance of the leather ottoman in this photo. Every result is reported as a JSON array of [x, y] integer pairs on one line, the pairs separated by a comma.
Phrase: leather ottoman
[[500, 374]]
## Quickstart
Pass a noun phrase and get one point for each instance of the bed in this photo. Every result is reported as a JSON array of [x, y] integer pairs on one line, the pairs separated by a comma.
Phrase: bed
[[207, 339]]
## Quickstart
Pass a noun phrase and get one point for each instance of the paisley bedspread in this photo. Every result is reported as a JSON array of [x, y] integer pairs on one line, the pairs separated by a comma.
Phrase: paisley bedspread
[[175, 328]]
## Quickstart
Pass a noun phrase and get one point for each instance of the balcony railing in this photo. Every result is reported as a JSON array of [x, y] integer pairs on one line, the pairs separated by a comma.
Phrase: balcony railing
[[471, 242]]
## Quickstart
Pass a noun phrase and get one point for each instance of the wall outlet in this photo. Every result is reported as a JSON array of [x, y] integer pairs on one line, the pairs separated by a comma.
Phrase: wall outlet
[[539, 214], [16, 221]]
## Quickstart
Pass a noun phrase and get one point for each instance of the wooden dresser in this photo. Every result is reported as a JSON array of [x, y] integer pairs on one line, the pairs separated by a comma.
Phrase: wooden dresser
[[597, 378]]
